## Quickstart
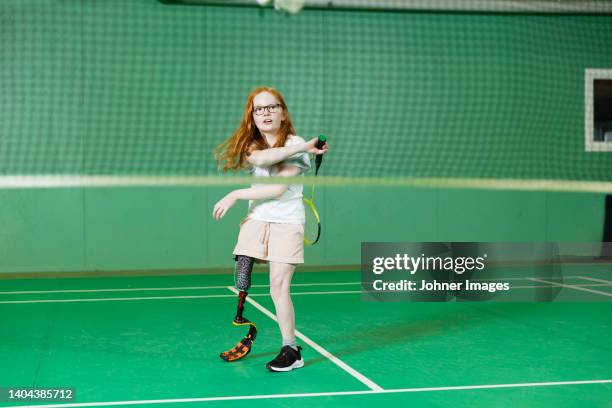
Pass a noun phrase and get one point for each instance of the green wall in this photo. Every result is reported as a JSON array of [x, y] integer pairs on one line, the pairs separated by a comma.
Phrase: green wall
[[138, 87], [171, 228]]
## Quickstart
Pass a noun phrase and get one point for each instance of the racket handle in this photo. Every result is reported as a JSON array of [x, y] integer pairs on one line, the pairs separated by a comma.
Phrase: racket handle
[[319, 159], [321, 141]]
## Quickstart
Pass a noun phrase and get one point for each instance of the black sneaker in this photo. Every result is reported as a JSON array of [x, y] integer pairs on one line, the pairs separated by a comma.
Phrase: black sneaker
[[287, 360]]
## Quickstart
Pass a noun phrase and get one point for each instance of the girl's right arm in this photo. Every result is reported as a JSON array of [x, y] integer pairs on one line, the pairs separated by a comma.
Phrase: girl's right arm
[[255, 193]]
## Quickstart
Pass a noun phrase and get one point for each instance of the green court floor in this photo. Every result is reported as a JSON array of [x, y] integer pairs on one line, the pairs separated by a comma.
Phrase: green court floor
[[155, 341]]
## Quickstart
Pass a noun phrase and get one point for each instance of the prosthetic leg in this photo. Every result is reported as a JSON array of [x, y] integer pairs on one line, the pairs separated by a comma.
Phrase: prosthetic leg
[[244, 267]]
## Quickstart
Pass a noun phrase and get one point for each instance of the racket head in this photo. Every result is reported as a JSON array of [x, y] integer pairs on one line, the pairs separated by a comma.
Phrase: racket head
[[312, 227]]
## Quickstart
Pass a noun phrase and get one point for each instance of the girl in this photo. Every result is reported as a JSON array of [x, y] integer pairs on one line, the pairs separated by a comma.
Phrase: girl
[[273, 229]]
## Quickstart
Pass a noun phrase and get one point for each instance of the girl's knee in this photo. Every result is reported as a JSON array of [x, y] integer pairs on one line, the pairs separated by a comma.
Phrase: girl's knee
[[278, 288], [280, 280]]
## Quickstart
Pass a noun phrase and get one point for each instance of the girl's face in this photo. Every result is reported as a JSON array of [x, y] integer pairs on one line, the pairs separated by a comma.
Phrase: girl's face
[[267, 113]]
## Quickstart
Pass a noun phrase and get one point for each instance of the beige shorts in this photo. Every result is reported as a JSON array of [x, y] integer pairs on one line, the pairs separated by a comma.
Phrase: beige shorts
[[271, 241]]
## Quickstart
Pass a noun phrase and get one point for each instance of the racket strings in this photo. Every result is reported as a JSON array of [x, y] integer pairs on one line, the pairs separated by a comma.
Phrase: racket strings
[[312, 227]]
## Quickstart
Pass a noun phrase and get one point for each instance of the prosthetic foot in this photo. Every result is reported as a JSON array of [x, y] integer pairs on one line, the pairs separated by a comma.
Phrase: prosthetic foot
[[244, 267]]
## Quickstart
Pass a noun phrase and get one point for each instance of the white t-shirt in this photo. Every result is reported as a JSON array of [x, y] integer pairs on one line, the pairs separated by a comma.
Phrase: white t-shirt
[[288, 208]]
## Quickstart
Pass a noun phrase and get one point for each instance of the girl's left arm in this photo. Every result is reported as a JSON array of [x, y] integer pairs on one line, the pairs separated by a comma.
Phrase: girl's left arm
[[255, 193]]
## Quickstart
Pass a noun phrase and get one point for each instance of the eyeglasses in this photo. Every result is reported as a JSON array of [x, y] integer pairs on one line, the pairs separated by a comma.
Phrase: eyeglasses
[[259, 110]]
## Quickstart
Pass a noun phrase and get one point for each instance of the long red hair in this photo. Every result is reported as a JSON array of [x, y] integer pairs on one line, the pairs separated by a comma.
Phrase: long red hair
[[232, 154]]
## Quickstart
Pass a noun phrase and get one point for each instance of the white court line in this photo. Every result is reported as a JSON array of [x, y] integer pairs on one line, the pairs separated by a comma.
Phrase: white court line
[[596, 280], [320, 394], [512, 278], [112, 299], [30, 292], [369, 383], [337, 292], [344, 292], [563, 285], [168, 297], [590, 285]]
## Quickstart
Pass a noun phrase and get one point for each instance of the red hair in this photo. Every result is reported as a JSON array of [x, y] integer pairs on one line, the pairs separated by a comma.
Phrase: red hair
[[233, 152]]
